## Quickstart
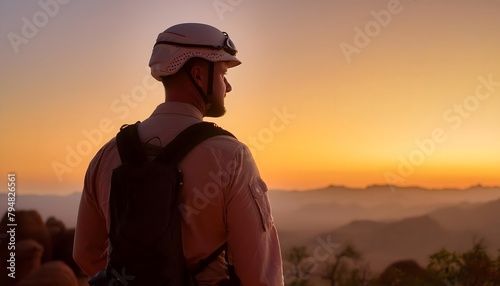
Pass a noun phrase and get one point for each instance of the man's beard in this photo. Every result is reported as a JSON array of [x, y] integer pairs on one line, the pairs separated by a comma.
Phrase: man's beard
[[216, 109]]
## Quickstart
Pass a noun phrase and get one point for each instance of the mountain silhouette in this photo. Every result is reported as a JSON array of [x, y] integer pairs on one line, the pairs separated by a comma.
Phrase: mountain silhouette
[[384, 223], [481, 219], [382, 243]]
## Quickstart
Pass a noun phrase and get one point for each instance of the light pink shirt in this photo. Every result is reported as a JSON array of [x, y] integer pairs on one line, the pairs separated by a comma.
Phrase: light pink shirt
[[224, 199]]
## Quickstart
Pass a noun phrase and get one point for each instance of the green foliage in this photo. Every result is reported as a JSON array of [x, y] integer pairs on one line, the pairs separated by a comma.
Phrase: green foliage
[[445, 264], [299, 269], [344, 268], [406, 273], [474, 267]]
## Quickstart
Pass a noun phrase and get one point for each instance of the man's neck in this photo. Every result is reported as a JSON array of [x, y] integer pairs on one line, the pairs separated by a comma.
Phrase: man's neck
[[186, 97]]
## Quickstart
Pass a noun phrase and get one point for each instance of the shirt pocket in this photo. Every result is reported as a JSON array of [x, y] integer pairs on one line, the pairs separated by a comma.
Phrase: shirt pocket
[[259, 194]]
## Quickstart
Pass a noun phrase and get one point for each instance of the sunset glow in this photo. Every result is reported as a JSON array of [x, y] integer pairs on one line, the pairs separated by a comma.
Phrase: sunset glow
[[348, 93]]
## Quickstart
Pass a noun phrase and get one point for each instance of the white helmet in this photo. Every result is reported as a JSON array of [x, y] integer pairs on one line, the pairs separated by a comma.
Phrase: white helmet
[[179, 43]]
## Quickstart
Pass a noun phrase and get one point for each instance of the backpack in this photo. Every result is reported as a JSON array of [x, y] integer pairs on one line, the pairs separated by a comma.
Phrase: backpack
[[145, 243]]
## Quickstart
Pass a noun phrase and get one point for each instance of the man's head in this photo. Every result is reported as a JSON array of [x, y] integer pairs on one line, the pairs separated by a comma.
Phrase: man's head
[[197, 55]]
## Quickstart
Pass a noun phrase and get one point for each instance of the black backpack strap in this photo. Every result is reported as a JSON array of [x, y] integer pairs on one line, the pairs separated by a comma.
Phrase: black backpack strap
[[132, 151], [179, 148], [188, 139], [129, 144], [206, 261], [233, 278]]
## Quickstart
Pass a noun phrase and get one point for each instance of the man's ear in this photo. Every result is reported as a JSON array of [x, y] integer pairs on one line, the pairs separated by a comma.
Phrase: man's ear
[[198, 74]]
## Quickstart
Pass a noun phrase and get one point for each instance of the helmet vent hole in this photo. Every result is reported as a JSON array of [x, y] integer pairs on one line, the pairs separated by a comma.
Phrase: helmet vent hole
[[181, 59]]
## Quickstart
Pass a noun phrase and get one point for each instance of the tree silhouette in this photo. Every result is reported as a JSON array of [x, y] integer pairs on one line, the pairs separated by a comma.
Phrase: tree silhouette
[[300, 270], [474, 267], [344, 269], [406, 273]]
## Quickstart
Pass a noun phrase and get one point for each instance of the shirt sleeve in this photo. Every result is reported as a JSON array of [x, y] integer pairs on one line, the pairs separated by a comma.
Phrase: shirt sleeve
[[90, 245], [252, 237]]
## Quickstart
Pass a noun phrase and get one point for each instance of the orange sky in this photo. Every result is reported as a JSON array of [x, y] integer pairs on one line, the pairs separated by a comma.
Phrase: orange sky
[[330, 92]]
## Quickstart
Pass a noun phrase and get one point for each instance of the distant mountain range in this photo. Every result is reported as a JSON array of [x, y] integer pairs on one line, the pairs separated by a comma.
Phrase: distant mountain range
[[411, 238], [482, 220], [302, 215], [329, 207], [385, 223]]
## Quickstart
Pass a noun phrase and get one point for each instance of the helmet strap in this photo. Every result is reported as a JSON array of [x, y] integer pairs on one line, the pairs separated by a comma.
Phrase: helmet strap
[[200, 90], [210, 83]]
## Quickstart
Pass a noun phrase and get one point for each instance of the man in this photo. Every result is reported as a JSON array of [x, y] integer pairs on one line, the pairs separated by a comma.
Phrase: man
[[223, 196]]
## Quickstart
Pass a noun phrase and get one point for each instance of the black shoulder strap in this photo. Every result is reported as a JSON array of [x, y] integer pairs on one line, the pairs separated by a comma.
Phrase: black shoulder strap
[[129, 144], [132, 150], [188, 139], [206, 261]]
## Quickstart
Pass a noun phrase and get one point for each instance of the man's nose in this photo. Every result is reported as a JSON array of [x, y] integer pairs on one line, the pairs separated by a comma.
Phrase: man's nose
[[228, 85]]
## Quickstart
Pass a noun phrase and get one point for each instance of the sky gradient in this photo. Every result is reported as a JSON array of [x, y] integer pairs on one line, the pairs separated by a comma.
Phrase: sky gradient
[[330, 92]]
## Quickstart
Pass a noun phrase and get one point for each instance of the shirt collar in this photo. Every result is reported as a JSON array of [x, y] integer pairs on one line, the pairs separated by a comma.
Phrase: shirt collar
[[179, 108]]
